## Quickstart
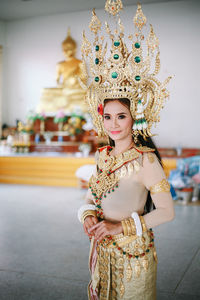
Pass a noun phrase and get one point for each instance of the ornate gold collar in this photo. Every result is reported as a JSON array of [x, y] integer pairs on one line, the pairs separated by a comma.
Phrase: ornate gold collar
[[107, 179], [107, 162]]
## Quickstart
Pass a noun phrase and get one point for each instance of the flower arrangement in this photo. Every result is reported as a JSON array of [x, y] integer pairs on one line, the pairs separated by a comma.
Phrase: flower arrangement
[[36, 116], [41, 116], [60, 117], [25, 128], [74, 125]]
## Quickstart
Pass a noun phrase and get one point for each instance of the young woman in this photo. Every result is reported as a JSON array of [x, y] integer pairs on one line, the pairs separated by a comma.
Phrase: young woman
[[118, 215]]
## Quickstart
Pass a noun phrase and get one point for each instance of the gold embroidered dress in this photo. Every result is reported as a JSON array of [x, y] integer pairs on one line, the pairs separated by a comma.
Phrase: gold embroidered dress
[[124, 267]]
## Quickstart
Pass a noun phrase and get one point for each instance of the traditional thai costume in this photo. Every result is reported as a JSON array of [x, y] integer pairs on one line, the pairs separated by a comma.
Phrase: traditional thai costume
[[124, 266]]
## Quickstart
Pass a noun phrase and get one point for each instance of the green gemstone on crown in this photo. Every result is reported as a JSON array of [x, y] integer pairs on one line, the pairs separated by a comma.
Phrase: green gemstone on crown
[[116, 56], [96, 61], [114, 75], [137, 78], [97, 48], [137, 45], [139, 101], [116, 43], [137, 59], [96, 79]]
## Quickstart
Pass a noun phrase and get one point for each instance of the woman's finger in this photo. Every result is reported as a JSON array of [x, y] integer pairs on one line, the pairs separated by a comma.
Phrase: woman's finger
[[99, 224], [85, 229], [88, 222], [100, 232], [102, 236], [95, 220]]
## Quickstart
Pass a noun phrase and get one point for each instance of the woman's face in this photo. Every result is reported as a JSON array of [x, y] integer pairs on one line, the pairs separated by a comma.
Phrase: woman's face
[[118, 121]]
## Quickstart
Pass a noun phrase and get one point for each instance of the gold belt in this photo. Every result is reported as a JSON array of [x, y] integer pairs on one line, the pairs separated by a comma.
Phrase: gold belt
[[122, 240]]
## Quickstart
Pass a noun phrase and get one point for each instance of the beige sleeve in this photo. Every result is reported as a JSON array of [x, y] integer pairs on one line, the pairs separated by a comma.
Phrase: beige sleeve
[[89, 199], [151, 174]]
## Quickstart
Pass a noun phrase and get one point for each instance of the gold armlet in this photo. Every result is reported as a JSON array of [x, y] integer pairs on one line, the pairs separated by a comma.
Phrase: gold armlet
[[144, 227], [161, 187], [128, 226], [133, 227], [87, 213], [124, 227]]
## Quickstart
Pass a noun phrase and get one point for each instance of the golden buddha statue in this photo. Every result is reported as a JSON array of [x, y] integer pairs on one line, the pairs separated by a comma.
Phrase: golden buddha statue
[[68, 94]]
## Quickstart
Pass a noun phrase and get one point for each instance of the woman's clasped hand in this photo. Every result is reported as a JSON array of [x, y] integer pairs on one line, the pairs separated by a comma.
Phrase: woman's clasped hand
[[101, 229], [89, 222]]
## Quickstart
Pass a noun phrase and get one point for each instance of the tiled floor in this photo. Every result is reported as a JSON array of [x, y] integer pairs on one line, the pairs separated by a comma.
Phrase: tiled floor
[[44, 253]]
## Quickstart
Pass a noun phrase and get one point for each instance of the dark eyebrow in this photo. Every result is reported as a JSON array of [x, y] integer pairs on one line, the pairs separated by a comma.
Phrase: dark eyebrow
[[122, 113]]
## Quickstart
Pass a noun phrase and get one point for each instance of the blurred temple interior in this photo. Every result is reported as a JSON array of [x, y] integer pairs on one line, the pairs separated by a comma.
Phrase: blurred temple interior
[[48, 144]]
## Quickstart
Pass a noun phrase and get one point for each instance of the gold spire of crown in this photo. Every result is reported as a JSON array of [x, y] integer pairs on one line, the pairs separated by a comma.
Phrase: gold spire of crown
[[124, 73]]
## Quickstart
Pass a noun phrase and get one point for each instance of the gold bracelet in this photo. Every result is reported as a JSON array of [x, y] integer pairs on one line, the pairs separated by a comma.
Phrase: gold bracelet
[[161, 187], [86, 214], [144, 227], [133, 228], [124, 227]]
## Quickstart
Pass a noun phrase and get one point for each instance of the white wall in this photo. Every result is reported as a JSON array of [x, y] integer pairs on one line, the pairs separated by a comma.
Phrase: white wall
[[2, 42], [2, 33], [33, 47]]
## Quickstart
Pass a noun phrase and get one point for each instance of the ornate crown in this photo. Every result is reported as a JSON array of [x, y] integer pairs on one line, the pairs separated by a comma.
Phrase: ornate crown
[[124, 73]]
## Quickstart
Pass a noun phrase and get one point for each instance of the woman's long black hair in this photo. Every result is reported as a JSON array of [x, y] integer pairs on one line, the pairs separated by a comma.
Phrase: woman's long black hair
[[141, 142]]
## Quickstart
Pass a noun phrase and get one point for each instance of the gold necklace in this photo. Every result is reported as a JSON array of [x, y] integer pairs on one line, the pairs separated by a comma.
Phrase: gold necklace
[[126, 149]]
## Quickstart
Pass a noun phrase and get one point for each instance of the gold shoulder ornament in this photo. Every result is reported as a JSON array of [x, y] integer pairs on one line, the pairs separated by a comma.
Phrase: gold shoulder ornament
[[161, 187], [144, 149], [116, 71]]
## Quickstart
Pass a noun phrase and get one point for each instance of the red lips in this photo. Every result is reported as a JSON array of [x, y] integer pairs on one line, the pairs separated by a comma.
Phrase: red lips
[[115, 132]]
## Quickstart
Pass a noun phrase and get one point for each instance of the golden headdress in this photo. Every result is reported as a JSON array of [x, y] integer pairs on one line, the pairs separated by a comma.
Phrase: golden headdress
[[124, 73]]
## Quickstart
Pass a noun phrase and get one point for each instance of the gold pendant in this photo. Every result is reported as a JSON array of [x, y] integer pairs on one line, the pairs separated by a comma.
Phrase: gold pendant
[[137, 268], [150, 157], [117, 174], [136, 166], [123, 172], [130, 169], [121, 289], [128, 272], [145, 263]]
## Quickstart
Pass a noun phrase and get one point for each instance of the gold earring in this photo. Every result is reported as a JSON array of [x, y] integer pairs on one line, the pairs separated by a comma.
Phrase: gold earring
[[135, 136]]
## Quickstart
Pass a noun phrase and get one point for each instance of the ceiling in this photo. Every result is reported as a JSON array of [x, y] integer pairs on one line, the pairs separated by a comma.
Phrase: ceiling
[[20, 9]]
